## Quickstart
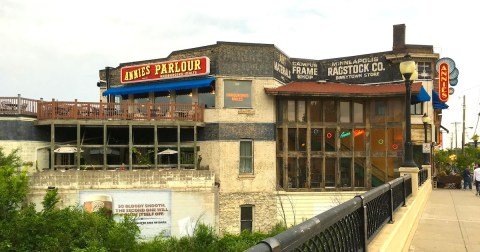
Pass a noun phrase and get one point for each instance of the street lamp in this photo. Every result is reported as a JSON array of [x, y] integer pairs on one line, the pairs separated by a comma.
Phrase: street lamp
[[408, 71], [475, 140], [426, 121]]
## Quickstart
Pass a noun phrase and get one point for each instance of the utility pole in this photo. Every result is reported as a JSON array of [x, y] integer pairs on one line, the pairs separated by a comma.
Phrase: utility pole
[[456, 142], [463, 132]]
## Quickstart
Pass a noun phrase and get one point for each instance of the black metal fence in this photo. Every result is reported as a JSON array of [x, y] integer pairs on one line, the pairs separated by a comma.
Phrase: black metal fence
[[422, 176], [349, 226]]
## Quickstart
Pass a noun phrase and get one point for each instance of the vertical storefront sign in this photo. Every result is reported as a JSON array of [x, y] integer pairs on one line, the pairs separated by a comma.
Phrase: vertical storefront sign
[[282, 68], [443, 82]]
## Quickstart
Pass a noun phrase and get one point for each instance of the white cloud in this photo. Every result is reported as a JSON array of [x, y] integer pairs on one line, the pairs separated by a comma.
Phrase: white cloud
[[55, 48]]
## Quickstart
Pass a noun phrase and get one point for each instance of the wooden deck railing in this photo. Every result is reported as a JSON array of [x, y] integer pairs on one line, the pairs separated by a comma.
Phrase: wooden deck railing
[[18, 106], [99, 110], [118, 111]]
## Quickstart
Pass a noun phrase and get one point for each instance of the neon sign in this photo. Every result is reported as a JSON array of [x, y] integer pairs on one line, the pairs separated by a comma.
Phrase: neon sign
[[358, 132], [345, 134]]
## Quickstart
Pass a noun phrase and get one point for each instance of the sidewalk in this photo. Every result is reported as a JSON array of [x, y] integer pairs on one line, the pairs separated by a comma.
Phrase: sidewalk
[[450, 222]]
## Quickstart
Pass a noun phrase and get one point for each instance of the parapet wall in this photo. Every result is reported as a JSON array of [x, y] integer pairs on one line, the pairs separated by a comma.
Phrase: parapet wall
[[174, 179]]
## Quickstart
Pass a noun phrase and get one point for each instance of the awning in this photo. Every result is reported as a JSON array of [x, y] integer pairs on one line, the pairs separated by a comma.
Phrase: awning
[[437, 104], [158, 87], [422, 96]]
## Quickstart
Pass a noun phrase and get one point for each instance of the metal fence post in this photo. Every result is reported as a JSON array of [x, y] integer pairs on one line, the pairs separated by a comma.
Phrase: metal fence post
[[364, 230], [390, 189]]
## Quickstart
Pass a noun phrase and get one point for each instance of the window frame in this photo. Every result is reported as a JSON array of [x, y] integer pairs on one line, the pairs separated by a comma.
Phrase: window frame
[[417, 108], [251, 220], [242, 170]]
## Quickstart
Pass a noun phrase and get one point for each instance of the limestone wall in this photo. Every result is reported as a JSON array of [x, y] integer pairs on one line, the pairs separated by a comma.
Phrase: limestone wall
[[223, 158], [190, 196], [229, 211]]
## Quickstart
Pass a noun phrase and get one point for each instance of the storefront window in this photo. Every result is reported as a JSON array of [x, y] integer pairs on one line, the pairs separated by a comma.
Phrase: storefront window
[[280, 109], [302, 172], [344, 112], [395, 139], [238, 94], [207, 100], [292, 173], [358, 114], [396, 108], [330, 140], [292, 138], [346, 172], [206, 96], [330, 111], [141, 100], [377, 139], [316, 139], [392, 162], [379, 171], [315, 111], [301, 113], [330, 172], [183, 97], [359, 139], [280, 172], [377, 111], [280, 139], [162, 98], [291, 111], [302, 139], [345, 139], [316, 166], [359, 169]]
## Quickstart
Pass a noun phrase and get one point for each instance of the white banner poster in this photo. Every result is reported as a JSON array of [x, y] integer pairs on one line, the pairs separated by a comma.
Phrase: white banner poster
[[150, 208]]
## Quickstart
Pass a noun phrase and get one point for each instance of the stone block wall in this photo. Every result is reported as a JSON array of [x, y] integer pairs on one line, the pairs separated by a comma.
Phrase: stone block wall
[[264, 215]]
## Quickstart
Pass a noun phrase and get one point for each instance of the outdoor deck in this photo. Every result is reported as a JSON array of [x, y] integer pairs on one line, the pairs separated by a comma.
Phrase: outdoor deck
[[75, 110]]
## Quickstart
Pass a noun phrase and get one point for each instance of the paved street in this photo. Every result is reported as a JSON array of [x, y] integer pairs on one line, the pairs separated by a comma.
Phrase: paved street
[[450, 222]]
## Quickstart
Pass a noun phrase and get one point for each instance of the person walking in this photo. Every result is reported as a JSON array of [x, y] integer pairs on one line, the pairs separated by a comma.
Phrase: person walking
[[476, 177], [466, 179]]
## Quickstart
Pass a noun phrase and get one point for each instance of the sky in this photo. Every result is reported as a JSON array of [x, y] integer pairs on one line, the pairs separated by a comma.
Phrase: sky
[[55, 48]]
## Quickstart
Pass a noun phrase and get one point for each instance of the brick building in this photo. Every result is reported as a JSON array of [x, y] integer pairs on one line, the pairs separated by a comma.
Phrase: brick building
[[247, 133]]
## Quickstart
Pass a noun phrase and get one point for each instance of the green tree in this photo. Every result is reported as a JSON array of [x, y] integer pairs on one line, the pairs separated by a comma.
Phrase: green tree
[[442, 161], [466, 158], [13, 184], [22, 228]]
